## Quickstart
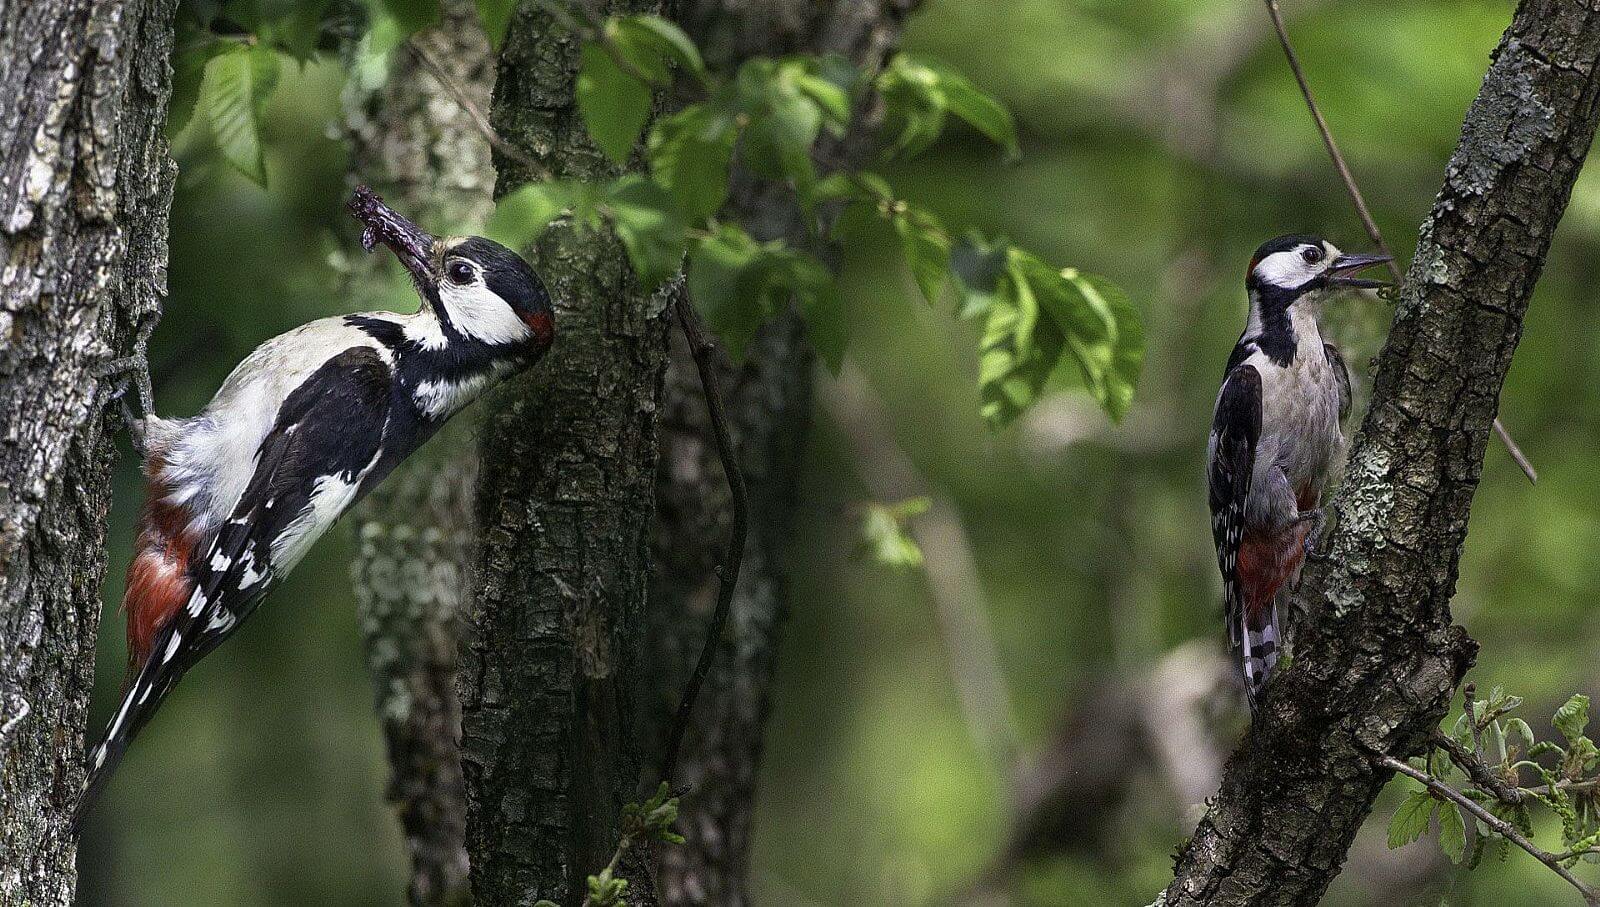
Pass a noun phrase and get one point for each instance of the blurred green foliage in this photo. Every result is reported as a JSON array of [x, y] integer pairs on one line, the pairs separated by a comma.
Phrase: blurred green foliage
[[1161, 141]]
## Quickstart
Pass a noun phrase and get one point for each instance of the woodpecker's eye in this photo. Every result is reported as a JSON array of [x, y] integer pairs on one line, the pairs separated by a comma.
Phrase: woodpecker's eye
[[459, 272], [1311, 254]]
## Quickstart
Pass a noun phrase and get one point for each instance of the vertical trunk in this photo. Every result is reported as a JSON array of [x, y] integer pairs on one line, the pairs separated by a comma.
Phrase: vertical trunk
[[566, 496], [85, 188], [417, 144], [769, 403]]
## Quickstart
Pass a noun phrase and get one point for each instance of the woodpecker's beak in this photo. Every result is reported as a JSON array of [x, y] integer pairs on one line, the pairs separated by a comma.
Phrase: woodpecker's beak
[[1344, 268], [410, 243]]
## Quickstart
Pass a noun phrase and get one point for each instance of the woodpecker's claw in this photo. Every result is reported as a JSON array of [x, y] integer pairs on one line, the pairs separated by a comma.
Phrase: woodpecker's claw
[[131, 371]]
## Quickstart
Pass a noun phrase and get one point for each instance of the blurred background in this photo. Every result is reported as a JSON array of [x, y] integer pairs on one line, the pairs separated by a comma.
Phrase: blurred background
[[1163, 140]]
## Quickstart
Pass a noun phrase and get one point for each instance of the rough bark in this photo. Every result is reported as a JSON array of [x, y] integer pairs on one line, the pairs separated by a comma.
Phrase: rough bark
[[565, 500], [85, 187], [1377, 657], [417, 145], [769, 404]]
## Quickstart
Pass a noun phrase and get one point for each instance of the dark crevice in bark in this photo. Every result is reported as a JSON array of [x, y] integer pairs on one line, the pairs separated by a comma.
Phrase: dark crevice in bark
[[85, 188], [1377, 658]]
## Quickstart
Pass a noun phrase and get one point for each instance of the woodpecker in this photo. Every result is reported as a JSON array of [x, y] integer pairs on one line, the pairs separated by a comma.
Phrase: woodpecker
[[1276, 436], [302, 429]]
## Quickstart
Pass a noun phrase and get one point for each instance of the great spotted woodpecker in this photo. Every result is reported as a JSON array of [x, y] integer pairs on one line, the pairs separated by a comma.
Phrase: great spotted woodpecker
[[1276, 436], [302, 428]]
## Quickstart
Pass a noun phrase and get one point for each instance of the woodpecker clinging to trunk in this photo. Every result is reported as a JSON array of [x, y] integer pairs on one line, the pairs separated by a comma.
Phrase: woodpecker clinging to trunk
[[302, 428], [1276, 436]]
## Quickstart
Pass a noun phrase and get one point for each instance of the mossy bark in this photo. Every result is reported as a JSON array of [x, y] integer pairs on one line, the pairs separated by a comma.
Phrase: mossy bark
[[86, 180], [1377, 657]]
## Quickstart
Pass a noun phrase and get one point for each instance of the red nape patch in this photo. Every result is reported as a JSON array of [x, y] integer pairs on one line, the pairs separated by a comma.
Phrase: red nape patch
[[542, 326]]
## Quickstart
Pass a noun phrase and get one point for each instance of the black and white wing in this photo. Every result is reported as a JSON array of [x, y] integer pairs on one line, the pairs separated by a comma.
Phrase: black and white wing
[[310, 467], [1341, 374], [1235, 431]]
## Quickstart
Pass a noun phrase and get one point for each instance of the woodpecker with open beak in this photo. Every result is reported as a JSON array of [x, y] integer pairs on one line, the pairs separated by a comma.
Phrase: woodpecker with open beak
[[1276, 437], [302, 429]]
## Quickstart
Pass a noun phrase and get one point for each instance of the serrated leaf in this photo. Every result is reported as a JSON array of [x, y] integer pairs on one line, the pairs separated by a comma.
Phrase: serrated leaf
[[649, 42], [613, 104], [495, 17], [188, 74], [1452, 832], [691, 153], [1410, 819], [647, 221], [1017, 354], [885, 536], [520, 216], [1573, 717], [927, 250], [830, 99], [914, 104], [237, 83]]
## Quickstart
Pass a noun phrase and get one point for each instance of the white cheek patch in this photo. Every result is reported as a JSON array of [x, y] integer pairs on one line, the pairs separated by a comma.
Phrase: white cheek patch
[[478, 313], [1286, 269]]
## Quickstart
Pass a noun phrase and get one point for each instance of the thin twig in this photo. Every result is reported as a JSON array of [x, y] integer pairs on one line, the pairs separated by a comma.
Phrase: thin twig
[[702, 348], [1499, 825], [1360, 201], [474, 112], [1477, 771]]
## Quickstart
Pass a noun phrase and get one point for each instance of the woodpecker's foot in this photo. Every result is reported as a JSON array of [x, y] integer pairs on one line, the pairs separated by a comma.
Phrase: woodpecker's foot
[[131, 372]]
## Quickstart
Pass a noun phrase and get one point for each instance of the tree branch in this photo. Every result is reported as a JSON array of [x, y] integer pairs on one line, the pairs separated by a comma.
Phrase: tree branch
[[703, 349], [1360, 201], [1377, 658], [1501, 827]]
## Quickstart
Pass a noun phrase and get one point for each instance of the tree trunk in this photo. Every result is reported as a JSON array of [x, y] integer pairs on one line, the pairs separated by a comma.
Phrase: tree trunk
[[85, 188], [1377, 657], [417, 145], [769, 404], [551, 664]]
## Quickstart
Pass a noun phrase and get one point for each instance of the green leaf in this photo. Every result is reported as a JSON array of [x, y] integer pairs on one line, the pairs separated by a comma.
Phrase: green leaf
[[716, 268], [495, 16], [411, 15], [613, 104], [979, 109], [647, 221], [1573, 717], [927, 250], [648, 42], [188, 74], [914, 104], [777, 143], [237, 83], [1017, 353], [522, 215], [1410, 819], [885, 535], [691, 153], [1452, 832], [826, 325]]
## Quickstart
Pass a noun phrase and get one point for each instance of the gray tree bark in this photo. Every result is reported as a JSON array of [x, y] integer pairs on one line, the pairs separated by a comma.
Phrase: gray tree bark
[[550, 668], [1377, 657], [769, 401], [85, 188], [417, 143]]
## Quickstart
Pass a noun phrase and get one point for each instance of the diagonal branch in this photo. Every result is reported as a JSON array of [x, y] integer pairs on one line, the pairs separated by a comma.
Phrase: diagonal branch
[[1377, 655], [1360, 201], [1500, 826]]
